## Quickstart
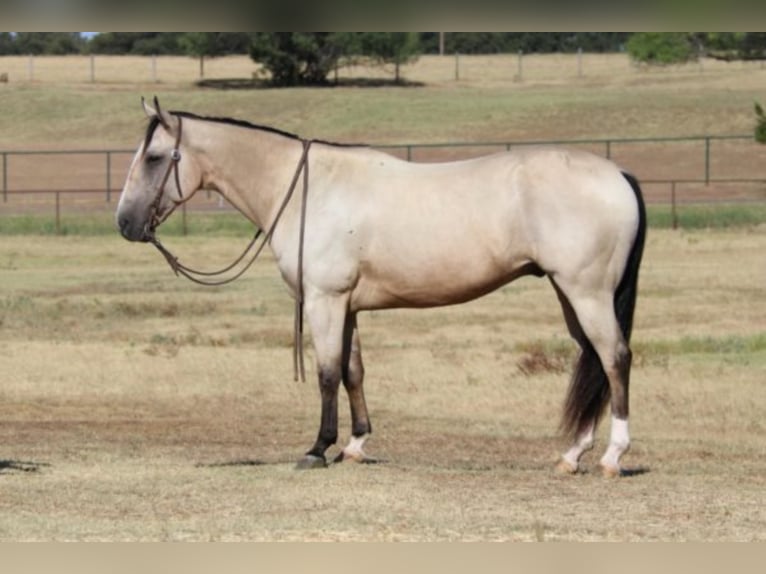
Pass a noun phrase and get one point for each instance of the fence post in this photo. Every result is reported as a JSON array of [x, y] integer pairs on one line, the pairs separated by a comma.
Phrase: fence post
[[518, 66], [154, 68], [31, 68], [579, 62], [673, 212], [608, 149], [108, 176], [58, 213], [409, 152], [5, 177], [457, 66], [92, 68], [707, 160]]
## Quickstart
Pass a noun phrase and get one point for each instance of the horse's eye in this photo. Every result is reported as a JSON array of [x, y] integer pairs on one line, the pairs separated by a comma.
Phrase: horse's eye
[[153, 158]]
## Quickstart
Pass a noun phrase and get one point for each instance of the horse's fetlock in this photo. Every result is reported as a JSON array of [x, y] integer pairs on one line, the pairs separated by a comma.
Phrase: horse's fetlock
[[361, 428]]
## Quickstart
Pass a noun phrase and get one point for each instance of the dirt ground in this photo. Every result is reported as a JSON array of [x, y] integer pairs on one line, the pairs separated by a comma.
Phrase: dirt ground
[[135, 406]]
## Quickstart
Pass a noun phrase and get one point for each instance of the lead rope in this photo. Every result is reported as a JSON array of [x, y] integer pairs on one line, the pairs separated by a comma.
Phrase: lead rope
[[298, 366], [189, 273]]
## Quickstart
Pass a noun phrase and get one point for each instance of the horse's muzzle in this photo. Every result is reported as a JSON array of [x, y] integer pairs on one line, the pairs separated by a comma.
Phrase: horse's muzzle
[[132, 232]]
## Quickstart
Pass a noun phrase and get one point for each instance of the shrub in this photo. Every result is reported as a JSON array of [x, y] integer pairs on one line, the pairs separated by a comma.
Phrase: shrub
[[661, 47]]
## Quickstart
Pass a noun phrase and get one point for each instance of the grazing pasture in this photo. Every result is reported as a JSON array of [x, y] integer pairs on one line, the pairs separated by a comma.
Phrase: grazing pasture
[[137, 406]]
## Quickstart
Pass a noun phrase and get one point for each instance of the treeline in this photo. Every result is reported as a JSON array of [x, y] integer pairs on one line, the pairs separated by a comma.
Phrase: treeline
[[312, 58], [178, 43], [527, 42], [135, 43], [658, 46]]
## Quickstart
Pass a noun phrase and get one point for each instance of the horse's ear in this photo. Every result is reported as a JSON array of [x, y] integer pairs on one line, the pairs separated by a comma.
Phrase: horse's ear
[[155, 111]]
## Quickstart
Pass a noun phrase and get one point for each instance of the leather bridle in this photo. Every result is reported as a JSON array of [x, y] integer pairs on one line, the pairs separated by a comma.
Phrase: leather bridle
[[155, 219]]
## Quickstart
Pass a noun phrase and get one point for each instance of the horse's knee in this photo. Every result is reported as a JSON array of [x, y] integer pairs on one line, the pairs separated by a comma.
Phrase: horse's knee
[[329, 379]]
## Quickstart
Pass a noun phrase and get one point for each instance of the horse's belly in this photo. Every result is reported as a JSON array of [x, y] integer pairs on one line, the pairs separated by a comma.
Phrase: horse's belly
[[434, 285]]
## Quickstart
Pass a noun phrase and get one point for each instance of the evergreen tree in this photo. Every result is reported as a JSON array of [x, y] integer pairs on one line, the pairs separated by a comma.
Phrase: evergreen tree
[[395, 48], [300, 58]]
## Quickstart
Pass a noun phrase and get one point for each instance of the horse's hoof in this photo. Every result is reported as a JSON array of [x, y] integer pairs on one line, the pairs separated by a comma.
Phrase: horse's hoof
[[311, 461], [565, 467], [610, 471]]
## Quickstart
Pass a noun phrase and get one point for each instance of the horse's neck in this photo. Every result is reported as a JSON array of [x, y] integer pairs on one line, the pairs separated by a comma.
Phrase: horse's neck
[[251, 168]]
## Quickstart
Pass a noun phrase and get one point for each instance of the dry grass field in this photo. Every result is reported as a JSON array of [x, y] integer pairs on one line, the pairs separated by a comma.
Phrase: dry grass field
[[136, 406], [61, 109]]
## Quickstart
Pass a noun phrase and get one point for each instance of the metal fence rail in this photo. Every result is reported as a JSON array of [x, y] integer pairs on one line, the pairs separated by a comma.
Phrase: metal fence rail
[[701, 160]]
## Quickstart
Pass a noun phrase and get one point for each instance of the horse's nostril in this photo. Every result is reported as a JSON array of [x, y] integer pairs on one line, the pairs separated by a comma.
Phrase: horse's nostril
[[124, 224]]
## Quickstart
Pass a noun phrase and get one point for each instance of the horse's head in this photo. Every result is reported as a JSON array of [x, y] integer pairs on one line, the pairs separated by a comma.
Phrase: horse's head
[[161, 177]]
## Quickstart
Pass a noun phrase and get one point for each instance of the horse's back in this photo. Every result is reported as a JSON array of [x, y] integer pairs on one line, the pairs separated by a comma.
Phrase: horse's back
[[434, 234]]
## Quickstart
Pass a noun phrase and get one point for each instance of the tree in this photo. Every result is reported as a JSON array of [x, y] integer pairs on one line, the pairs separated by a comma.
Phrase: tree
[[395, 48], [661, 47], [760, 127], [200, 44], [212, 45], [300, 58]]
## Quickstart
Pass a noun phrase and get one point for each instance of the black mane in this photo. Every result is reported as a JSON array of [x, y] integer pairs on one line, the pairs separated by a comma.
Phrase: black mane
[[154, 122], [238, 123]]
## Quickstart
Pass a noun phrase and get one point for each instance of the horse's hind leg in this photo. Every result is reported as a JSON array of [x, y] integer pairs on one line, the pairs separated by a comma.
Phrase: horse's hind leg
[[353, 379], [603, 343], [583, 434], [603, 331]]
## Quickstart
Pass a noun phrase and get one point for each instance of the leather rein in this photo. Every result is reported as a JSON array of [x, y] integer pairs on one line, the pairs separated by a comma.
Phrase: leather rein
[[208, 278]]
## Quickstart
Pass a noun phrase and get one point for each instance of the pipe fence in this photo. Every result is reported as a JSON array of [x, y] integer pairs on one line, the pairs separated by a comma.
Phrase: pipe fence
[[672, 170]]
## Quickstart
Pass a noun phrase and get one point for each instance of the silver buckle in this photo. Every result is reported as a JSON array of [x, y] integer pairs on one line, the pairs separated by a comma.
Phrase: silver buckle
[[175, 155]]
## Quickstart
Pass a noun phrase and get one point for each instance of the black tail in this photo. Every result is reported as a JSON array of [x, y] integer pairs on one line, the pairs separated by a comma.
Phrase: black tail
[[627, 290], [589, 392]]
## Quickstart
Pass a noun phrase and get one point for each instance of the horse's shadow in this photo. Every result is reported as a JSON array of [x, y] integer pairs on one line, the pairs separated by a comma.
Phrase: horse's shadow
[[8, 466], [228, 463], [634, 471]]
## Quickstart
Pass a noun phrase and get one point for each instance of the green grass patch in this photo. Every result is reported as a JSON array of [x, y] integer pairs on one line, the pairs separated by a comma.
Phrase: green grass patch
[[707, 216], [214, 224], [700, 216], [707, 345]]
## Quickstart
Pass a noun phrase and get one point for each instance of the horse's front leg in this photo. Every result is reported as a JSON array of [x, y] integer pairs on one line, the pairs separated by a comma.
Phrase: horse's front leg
[[327, 316], [353, 380]]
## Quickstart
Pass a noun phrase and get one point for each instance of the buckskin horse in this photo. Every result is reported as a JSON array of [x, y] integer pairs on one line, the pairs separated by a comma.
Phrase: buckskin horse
[[371, 231]]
